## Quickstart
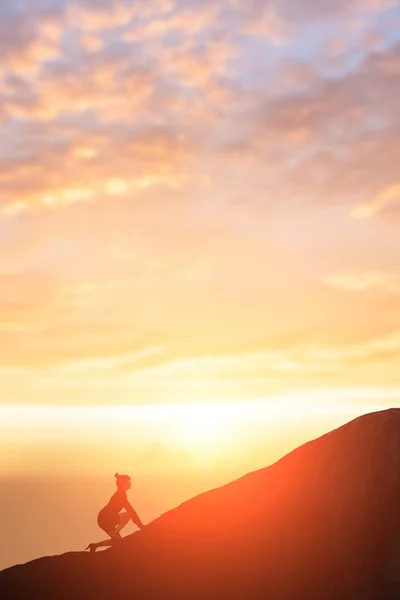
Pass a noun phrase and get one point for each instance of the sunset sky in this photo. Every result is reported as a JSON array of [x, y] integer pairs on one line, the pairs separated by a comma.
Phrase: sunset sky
[[199, 238]]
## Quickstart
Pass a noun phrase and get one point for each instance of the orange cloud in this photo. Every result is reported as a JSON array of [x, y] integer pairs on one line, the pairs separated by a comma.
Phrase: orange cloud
[[271, 26], [113, 88], [105, 363], [27, 303], [365, 281], [187, 20], [28, 42], [93, 168], [97, 18], [384, 199]]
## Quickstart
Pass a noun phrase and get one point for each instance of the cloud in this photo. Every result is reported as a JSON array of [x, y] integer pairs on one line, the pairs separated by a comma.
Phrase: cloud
[[98, 117], [365, 281], [81, 168], [206, 376], [30, 32], [99, 17], [335, 141], [111, 362], [128, 87], [25, 297], [269, 25], [188, 19], [303, 358], [379, 203], [310, 11], [379, 350]]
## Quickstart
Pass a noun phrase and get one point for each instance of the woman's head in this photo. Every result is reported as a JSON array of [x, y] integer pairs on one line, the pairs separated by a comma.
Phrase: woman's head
[[123, 481]]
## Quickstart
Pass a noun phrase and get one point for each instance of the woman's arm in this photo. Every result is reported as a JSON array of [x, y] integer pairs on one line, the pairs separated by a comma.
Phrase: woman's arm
[[133, 514]]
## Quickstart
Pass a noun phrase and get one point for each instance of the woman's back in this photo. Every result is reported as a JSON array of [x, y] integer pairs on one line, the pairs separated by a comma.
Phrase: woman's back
[[117, 502]]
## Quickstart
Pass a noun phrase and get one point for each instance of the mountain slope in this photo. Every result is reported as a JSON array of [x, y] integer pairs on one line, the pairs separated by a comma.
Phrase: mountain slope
[[322, 523]]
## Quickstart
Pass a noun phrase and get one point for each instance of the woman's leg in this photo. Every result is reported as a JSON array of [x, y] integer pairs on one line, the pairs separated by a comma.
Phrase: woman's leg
[[103, 544], [124, 518], [115, 537]]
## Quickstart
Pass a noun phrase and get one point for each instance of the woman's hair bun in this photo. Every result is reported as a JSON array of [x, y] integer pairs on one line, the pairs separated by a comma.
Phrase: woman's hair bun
[[116, 475]]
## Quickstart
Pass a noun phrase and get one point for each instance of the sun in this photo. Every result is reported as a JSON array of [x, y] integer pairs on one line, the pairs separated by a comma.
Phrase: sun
[[199, 427]]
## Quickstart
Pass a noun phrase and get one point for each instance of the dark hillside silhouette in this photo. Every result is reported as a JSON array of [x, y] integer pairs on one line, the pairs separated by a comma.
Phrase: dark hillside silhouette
[[322, 523]]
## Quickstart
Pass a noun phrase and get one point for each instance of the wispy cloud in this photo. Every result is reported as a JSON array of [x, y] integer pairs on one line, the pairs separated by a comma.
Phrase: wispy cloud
[[110, 363], [365, 281], [384, 199]]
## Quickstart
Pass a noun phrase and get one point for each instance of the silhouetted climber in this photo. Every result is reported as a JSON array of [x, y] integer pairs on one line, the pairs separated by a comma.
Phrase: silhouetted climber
[[109, 518]]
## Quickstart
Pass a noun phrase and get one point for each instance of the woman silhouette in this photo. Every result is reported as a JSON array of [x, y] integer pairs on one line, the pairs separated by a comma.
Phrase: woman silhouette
[[110, 519]]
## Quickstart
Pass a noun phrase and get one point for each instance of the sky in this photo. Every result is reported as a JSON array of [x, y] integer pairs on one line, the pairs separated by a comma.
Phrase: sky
[[199, 242]]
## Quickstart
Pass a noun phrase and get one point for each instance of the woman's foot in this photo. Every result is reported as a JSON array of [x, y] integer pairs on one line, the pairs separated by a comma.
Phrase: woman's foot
[[91, 547]]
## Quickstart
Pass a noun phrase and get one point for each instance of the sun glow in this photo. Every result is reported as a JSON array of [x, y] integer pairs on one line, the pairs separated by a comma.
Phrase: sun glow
[[174, 436], [199, 427]]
